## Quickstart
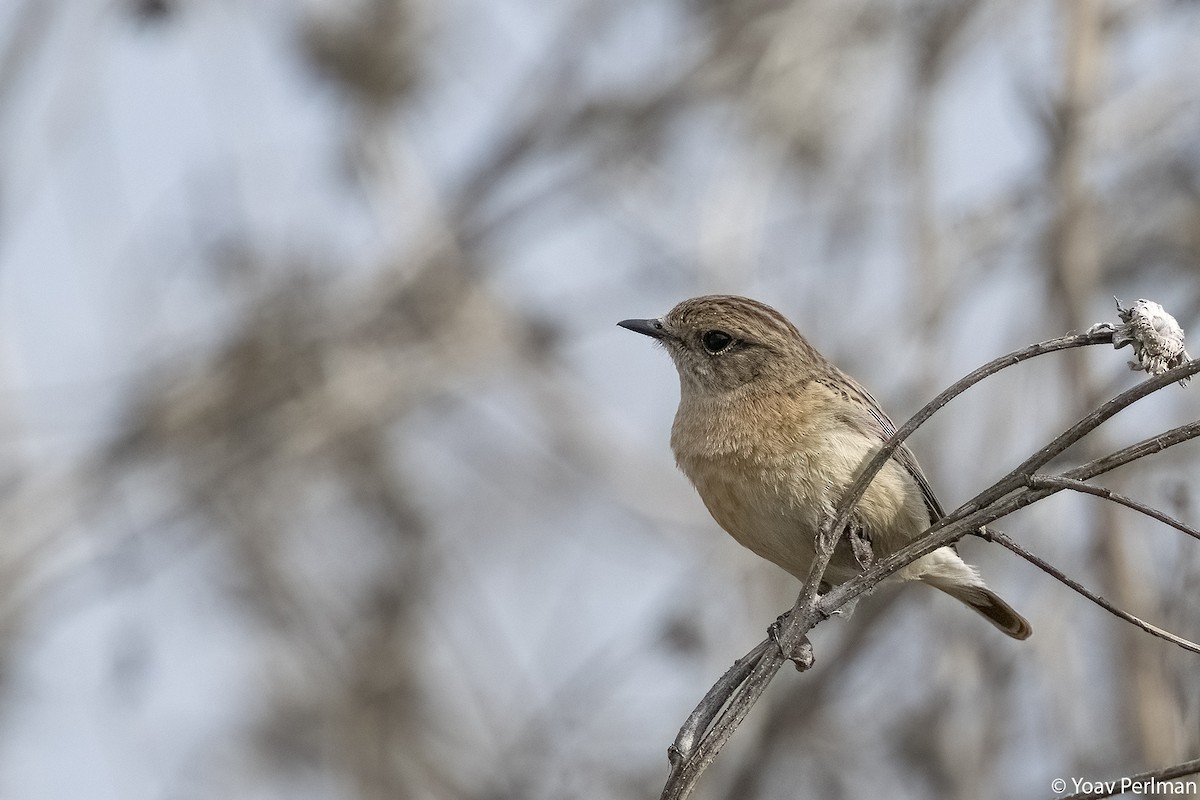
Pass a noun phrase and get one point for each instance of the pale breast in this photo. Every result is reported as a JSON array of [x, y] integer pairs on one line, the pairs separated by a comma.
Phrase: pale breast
[[769, 504], [772, 497]]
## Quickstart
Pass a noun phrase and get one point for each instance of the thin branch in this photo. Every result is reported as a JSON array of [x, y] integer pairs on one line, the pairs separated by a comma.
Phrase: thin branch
[[1105, 412], [1056, 482], [714, 701], [1012, 493], [1099, 466], [688, 769], [955, 525], [1076, 432], [1146, 447], [1062, 577], [1145, 779]]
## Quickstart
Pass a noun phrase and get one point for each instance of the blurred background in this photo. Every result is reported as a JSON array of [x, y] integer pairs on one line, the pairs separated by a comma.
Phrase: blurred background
[[326, 473]]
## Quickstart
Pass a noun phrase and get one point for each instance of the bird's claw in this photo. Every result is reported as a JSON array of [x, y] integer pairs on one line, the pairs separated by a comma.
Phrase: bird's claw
[[800, 654]]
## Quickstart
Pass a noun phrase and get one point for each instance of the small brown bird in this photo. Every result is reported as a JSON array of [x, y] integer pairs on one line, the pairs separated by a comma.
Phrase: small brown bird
[[771, 433]]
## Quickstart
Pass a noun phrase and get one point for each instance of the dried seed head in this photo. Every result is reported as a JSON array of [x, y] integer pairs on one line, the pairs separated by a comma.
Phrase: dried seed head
[[1156, 337]]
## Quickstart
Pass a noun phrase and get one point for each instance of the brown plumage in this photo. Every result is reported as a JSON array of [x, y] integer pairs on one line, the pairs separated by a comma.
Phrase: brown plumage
[[770, 433]]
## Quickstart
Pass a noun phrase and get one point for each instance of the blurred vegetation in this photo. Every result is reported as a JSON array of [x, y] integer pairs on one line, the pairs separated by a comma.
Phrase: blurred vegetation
[[406, 468]]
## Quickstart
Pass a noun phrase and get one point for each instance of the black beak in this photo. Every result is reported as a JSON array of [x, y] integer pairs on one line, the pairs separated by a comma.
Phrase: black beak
[[647, 327]]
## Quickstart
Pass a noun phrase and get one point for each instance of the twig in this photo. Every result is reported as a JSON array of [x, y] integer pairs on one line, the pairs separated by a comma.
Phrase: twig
[[1076, 432], [714, 701], [1011, 493], [690, 765], [1083, 487], [964, 520], [1062, 577], [1146, 447], [1123, 785]]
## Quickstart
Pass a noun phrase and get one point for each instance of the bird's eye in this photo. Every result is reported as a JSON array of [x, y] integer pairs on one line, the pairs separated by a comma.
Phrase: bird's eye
[[715, 341]]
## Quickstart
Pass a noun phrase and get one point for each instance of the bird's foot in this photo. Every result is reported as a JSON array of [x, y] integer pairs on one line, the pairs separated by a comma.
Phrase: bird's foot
[[800, 653], [860, 544]]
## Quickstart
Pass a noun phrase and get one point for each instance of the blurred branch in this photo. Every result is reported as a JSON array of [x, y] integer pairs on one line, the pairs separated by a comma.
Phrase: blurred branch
[[25, 34]]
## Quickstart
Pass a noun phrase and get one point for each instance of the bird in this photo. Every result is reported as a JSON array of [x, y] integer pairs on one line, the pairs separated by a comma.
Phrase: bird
[[771, 433]]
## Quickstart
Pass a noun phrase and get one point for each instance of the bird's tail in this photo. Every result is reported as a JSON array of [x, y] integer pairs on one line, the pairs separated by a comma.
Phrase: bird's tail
[[945, 570], [991, 606]]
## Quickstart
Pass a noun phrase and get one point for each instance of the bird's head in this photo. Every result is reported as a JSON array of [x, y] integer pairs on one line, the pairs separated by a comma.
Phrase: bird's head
[[723, 342]]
